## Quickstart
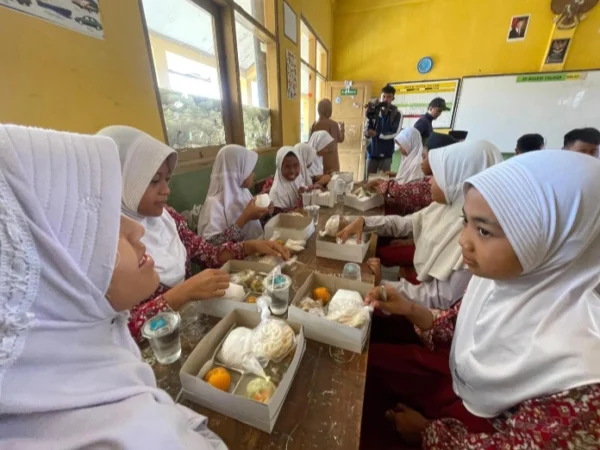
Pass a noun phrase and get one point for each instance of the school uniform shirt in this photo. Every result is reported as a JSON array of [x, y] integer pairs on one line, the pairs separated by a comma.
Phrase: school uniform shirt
[[425, 125], [566, 419], [406, 198], [197, 250]]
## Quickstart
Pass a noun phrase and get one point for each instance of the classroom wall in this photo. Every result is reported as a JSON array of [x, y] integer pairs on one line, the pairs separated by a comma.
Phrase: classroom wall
[[382, 40], [56, 78]]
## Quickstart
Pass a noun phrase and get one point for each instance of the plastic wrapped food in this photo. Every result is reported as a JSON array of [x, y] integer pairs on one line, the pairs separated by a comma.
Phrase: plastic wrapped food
[[260, 390], [236, 352], [295, 246], [356, 317], [347, 307], [344, 300], [331, 227], [235, 292], [272, 340], [263, 201], [242, 277], [311, 306]]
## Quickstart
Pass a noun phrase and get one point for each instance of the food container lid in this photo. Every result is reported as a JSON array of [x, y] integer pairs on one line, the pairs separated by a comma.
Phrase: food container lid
[[161, 324]]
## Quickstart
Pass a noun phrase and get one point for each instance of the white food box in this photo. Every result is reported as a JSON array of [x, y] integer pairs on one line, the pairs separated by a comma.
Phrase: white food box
[[323, 330], [256, 414], [364, 204], [220, 307], [377, 176], [290, 226], [324, 198], [327, 248]]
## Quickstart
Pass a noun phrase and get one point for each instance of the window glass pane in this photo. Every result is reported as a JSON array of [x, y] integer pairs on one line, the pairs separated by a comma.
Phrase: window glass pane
[[305, 102], [184, 53], [305, 44], [321, 60], [252, 55], [257, 9]]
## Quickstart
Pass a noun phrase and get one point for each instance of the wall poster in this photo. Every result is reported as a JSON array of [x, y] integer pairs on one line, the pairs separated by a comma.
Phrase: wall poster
[[291, 65], [82, 16]]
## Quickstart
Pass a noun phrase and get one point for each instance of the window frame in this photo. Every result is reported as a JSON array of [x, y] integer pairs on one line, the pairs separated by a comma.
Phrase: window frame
[[313, 41], [225, 13]]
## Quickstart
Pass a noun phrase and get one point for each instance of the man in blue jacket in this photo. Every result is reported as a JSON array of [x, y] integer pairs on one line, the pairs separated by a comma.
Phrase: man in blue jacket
[[381, 132]]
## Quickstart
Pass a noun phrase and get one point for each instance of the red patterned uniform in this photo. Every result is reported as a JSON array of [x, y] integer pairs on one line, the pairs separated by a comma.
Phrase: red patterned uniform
[[407, 198], [199, 251]]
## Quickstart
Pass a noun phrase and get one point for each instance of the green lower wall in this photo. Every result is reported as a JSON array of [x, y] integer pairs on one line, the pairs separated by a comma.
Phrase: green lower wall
[[190, 188]]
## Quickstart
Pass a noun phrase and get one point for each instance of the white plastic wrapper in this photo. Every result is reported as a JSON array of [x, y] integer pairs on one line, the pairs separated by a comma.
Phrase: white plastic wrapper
[[236, 352], [235, 292], [263, 201], [295, 246], [272, 339], [348, 308], [331, 227]]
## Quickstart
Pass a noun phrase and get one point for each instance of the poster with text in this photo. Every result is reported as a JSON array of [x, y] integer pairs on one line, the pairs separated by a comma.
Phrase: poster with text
[[291, 65], [412, 99], [82, 16]]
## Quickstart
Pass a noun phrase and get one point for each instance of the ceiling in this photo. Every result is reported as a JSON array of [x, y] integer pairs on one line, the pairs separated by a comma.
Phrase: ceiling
[[185, 22]]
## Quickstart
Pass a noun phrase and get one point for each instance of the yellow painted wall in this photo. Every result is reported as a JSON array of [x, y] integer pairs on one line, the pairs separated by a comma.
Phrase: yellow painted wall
[[382, 40], [56, 78]]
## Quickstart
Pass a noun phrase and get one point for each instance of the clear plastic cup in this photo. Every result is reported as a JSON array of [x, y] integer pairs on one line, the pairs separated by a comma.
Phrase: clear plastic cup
[[307, 199], [352, 272], [162, 331], [279, 291], [313, 213]]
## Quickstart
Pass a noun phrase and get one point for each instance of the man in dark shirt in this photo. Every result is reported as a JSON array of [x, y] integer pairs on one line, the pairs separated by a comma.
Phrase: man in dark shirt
[[425, 123], [381, 133]]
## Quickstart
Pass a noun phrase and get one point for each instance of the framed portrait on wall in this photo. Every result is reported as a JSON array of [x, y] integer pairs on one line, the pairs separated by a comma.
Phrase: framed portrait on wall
[[518, 28], [558, 51]]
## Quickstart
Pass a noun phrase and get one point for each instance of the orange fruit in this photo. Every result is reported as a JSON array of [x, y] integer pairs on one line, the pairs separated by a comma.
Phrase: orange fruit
[[322, 294], [219, 378]]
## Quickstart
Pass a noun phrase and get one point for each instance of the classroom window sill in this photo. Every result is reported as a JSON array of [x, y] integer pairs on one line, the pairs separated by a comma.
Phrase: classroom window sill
[[207, 159]]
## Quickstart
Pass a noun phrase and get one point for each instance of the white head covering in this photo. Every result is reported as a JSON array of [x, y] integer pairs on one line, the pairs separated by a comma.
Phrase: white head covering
[[436, 229], [319, 140], [537, 334], [226, 198], [410, 170], [284, 193], [141, 157], [70, 373], [308, 157]]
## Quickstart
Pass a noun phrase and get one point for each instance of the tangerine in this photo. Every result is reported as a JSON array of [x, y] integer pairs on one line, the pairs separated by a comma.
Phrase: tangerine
[[219, 378], [322, 294]]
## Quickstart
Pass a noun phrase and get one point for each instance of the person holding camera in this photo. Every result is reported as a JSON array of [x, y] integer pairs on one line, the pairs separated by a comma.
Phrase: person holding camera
[[382, 126]]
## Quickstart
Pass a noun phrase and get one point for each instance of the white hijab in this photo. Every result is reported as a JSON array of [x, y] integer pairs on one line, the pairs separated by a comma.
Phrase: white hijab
[[227, 199], [308, 157], [410, 170], [71, 375], [436, 229], [141, 157], [319, 140], [284, 193], [537, 334]]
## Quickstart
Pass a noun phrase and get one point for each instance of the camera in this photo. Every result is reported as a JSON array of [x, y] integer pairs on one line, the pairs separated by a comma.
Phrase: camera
[[373, 109]]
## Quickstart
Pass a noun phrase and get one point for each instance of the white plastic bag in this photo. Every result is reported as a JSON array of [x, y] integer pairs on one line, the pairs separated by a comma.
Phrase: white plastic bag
[[348, 308], [236, 352], [273, 339]]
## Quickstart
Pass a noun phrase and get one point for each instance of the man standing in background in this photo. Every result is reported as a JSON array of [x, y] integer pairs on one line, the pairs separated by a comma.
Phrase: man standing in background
[[383, 125], [425, 123]]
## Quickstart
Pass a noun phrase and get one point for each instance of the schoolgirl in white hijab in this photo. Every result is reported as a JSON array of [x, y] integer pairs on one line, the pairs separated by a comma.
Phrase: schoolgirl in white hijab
[[228, 196], [538, 333], [436, 229], [308, 157], [412, 143], [70, 374], [319, 140], [288, 179]]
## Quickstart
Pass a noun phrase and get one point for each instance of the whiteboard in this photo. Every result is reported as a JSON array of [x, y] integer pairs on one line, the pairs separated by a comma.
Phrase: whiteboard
[[503, 108], [412, 99]]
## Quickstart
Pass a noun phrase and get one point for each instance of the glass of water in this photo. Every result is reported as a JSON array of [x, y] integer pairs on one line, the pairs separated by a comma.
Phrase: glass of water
[[352, 272], [307, 199], [162, 331], [313, 213], [278, 288]]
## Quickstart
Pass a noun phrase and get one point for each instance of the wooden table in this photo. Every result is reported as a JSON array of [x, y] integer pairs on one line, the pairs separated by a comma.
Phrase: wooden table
[[323, 409]]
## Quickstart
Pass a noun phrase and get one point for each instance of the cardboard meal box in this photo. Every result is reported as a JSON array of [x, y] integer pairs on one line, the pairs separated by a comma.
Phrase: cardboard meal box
[[201, 360], [378, 176], [327, 247], [325, 199], [290, 226], [323, 330], [219, 307], [354, 202]]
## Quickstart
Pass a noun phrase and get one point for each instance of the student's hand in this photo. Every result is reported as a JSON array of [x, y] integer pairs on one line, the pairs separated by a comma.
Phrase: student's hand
[[303, 190], [209, 283], [372, 133], [373, 184], [252, 212], [269, 248], [271, 208], [375, 266], [395, 303], [408, 422], [355, 228]]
